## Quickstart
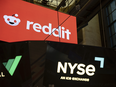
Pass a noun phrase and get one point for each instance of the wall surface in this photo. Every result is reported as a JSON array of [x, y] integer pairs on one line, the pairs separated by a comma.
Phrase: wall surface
[[37, 51], [91, 33]]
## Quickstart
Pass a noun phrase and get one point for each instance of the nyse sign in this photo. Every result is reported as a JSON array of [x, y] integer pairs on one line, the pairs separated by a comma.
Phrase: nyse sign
[[83, 66], [89, 70]]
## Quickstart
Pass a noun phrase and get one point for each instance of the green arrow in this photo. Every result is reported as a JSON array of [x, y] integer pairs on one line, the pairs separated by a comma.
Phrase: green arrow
[[9, 64], [12, 64]]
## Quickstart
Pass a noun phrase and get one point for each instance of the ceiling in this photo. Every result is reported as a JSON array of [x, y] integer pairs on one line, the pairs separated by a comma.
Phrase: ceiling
[[55, 3], [84, 10]]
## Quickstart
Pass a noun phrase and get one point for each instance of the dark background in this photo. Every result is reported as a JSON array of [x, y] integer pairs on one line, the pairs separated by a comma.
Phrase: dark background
[[22, 74], [37, 54], [104, 77]]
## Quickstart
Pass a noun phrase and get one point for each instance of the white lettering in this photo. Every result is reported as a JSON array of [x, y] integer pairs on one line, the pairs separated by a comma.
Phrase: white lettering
[[72, 67], [79, 67], [60, 66], [48, 30], [56, 35], [2, 75], [47, 27], [90, 69], [62, 77], [37, 26], [28, 24], [67, 33], [58, 30], [80, 79], [68, 78], [63, 34]]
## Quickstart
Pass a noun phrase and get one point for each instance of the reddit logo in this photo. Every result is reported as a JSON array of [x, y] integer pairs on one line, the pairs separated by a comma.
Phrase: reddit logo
[[12, 20]]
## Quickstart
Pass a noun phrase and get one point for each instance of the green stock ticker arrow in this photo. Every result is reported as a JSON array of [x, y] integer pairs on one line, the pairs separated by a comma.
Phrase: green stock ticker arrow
[[12, 64]]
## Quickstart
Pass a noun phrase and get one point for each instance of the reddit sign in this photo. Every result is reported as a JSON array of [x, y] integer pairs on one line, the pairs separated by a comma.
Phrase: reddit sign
[[30, 22], [11, 20]]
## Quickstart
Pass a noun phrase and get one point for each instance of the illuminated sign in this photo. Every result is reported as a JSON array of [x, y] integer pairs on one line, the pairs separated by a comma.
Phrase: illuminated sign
[[33, 22], [11, 20], [15, 68], [90, 69], [79, 65], [12, 64], [38, 28], [101, 59]]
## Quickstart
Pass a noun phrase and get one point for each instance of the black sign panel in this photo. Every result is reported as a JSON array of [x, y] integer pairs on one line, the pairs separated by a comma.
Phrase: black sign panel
[[14, 65], [80, 65], [22, 64]]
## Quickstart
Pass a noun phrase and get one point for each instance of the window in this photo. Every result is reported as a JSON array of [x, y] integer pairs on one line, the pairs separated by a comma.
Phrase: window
[[111, 22]]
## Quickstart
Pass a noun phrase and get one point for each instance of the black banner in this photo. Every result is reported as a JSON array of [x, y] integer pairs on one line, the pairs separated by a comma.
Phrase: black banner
[[14, 65], [79, 65]]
